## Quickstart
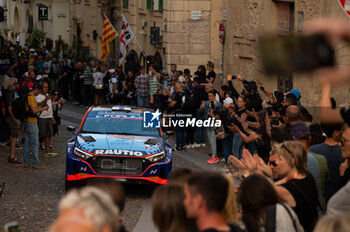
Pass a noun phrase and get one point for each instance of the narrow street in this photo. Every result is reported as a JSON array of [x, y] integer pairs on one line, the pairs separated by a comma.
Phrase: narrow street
[[31, 196]]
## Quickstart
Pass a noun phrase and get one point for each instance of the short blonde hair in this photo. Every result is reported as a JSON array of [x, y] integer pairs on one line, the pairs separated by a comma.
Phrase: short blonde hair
[[292, 150], [333, 223], [97, 206], [230, 213], [10, 82]]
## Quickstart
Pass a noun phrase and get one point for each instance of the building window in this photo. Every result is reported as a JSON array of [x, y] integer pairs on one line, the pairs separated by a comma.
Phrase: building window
[[149, 4], [156, 5], [161, 5], [285, 18], [285, 82], [126, 4]]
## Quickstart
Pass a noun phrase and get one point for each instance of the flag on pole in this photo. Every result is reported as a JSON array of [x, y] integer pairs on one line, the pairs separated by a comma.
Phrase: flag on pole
[[108, 35], [126, 36]]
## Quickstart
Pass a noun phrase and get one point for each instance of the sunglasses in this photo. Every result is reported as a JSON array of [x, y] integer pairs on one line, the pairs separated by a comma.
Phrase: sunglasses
[[273, 163]]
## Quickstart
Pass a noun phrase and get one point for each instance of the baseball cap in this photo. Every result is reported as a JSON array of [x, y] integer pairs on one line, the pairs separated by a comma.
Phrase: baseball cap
[[300, 131], [30, 85], [228, 101], [32, 50], [182, 79], [111, 70], [296, 93]]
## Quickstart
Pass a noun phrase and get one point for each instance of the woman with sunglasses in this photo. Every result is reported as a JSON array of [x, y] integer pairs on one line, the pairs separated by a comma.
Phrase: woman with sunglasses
[[295, 185]]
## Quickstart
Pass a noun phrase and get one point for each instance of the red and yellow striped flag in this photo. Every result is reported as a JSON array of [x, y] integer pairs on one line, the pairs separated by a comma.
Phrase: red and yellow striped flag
[[108, 35]]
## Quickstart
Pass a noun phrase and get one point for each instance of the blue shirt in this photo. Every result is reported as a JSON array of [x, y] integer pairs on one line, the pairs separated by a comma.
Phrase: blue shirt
[[314, 169], [334, 159]]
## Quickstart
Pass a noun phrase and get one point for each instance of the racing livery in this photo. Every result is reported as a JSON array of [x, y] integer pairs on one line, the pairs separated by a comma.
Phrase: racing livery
[[112, 143]]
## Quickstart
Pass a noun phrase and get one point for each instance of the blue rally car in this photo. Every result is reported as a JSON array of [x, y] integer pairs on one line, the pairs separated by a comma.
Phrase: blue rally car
[[111, 142]]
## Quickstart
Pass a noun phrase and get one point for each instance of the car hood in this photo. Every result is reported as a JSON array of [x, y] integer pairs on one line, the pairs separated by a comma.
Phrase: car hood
[[121, 145]]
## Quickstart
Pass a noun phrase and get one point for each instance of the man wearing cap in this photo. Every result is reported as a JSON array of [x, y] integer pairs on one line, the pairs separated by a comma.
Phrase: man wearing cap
[[31, 141], [301, 133], [297, 94], [142, 88], [225, 117]]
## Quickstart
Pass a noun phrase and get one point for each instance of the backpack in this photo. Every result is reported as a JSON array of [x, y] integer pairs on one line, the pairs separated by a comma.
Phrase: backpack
[[19, 104]]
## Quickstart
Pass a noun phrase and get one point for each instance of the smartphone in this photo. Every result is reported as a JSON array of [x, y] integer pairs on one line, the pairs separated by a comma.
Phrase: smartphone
[[11, 227], [274, 121], [284, 55]]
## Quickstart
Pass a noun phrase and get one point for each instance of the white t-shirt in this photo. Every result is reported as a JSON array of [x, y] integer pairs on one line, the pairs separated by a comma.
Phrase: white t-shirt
[[46, 113], [98, 79], [111, 81]]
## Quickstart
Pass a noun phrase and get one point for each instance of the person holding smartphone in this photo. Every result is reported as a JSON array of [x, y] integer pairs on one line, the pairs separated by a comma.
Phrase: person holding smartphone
[[45, 119], [212, 108]]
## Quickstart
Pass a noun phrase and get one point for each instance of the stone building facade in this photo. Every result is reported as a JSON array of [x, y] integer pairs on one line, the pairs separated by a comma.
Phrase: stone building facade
[[189, 40], [247, 20], [188, 32], [23, 17]]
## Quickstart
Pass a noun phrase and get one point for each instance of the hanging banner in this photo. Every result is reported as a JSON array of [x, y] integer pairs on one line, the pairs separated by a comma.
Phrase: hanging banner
[[345, 4], [126, 36]]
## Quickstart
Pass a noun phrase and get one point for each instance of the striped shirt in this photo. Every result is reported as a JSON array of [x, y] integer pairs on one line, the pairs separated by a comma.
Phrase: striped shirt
[[88, 80], [153, 85], [142, 89]]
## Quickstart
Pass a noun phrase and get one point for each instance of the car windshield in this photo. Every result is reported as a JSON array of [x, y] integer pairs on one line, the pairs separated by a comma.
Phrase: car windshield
[[117, 123]]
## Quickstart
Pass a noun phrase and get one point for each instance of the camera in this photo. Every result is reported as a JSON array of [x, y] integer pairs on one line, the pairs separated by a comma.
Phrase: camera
[[234, 77], [283, 55], [274, 121]]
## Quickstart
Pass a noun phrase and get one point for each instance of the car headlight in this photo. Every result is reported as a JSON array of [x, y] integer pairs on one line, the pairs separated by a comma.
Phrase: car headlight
[[82, 154], [156, 157]]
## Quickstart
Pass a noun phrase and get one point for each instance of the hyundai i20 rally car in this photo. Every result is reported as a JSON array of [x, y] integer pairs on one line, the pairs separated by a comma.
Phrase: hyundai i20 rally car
[[112, 142]]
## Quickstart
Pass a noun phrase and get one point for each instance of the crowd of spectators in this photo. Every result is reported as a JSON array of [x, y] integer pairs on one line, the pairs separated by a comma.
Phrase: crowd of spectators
[[293, 169]]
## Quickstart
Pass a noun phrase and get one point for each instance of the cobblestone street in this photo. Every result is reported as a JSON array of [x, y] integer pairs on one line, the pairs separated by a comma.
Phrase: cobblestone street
[[31, 196]]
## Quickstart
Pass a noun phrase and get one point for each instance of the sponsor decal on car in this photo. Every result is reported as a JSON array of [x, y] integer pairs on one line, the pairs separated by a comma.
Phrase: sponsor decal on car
[[117, 152]]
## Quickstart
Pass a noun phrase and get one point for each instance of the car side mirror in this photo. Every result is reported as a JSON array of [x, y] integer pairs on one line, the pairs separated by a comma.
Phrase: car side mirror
[[71, 129]]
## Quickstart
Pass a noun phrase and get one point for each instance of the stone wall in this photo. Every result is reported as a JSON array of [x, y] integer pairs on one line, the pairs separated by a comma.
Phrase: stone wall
[[187, 41], [308, 84], [245, 22], [248, 19]]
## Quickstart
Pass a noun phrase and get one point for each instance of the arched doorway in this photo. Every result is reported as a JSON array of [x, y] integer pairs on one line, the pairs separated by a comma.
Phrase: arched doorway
[[132, 62], [29, 22], [143, 60], [157, 61], [16, 20]]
